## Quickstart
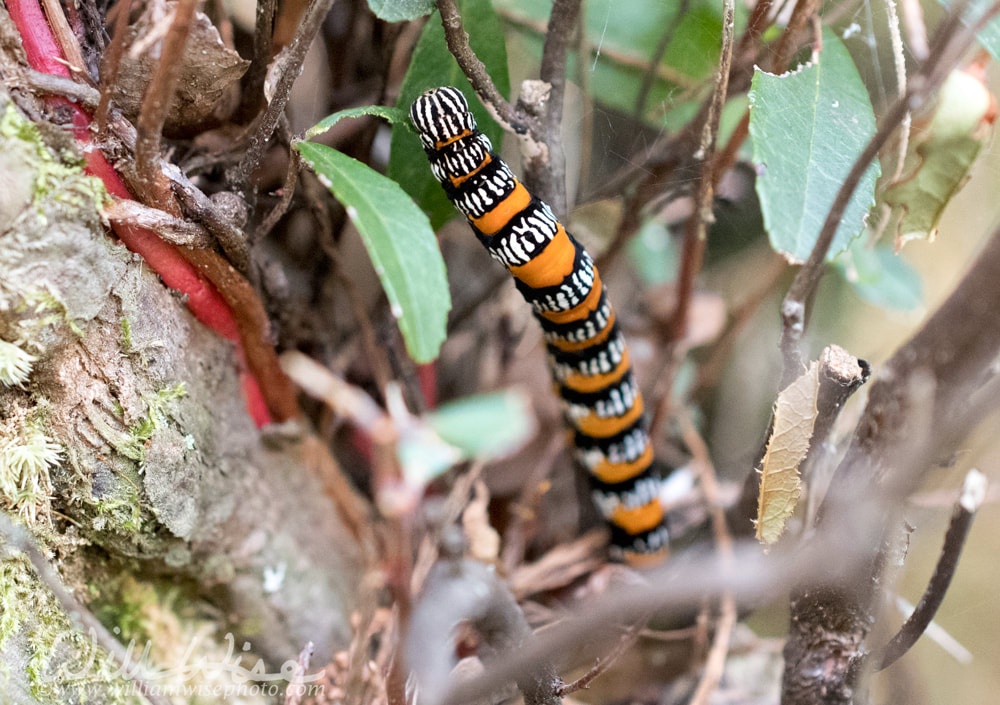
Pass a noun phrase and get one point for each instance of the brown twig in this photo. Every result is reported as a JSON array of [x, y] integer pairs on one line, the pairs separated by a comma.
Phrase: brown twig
[[715, 663], [626, 641], [17, 538], [650, 74], [65, 37], [202, 209], [922, 405], [49, 84], [112, 64], [151, 180], [545, 173], [695, 233], [973, 494], [254, 329], [458, 44], [287, 192], [253, 92], [288, 70]]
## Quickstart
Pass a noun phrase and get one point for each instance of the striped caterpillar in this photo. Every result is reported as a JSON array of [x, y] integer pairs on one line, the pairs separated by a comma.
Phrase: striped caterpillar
[[588, 356]]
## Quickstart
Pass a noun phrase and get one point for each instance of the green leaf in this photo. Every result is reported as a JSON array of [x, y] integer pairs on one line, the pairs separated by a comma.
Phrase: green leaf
[[485, 426], [808, 127], [432, 66], [400, 10], [399, 241], [881, 277], [395, 116]]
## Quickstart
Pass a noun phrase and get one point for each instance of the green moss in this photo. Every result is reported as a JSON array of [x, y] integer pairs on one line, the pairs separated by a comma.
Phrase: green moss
[[60, 180], [26, 456], [49, 309], [126, 335], [15, 365], [156, 407], [56, 647]]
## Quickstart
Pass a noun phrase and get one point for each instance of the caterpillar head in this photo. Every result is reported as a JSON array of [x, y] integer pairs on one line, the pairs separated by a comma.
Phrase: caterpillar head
[[440, 115]]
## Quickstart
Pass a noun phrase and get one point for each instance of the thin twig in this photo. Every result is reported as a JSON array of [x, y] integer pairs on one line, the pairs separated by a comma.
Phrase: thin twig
[[626, 641], [650, 75], [946, 53], [112, 64], [290, 63], [80, 93], [460, 590], [16, 537], [287, 191], [153, 113], [201, 208], [545, 172], [65, 38], [474, 70], [253, 92], [697, 225], [973, 494], [716, 661], [899, 62]]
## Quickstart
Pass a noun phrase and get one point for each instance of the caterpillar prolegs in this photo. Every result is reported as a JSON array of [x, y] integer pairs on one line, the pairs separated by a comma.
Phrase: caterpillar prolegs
[[587, 352]]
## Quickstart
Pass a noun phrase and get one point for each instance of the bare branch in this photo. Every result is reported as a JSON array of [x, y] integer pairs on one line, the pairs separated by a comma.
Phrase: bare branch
[[475, 71], [650, 75], [290, 66], [253, 91], [546, 172], [923, 402], [153, 113], [112, 64], [50, 84], [973, 494], [702, 217]]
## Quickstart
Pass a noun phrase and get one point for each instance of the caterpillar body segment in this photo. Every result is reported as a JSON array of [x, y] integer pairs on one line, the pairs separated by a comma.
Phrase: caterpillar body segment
[[588, 356]]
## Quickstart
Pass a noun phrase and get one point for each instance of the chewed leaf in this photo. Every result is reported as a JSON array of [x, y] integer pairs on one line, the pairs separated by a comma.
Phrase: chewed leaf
[[394, 116], [942, 155], [808, 128], [780, 486]]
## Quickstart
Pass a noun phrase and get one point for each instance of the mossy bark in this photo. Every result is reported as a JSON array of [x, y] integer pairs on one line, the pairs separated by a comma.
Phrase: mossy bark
[[161, 478]]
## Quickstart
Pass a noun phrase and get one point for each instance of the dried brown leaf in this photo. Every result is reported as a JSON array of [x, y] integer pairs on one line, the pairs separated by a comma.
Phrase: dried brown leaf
[[780, 486]]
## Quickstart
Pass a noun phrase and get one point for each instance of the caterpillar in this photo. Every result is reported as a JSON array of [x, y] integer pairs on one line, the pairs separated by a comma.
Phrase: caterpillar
[[588, 357]]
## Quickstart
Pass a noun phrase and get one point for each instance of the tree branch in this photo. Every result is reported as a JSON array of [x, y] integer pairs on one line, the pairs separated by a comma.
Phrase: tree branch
[[973, 494], [474, 70], [922, 403], [153, 113], [290, 62], [546, 172]]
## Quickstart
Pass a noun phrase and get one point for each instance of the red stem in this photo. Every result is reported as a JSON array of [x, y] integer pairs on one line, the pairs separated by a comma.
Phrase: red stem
[[203, 299]]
